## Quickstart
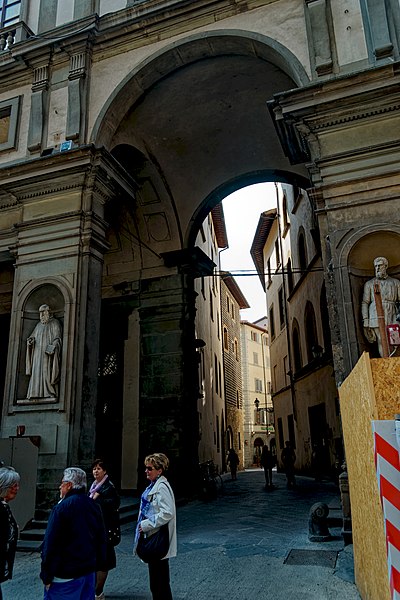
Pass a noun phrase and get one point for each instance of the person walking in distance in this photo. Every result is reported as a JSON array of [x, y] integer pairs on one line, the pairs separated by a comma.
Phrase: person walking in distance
[[233, 462], [267, 463], [288, 458]]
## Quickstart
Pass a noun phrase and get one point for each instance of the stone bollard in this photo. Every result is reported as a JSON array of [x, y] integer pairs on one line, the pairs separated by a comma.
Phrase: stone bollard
[[318, 523]]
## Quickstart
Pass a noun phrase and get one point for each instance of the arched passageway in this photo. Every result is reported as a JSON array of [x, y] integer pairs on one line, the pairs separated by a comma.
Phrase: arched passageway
[[189, 126]]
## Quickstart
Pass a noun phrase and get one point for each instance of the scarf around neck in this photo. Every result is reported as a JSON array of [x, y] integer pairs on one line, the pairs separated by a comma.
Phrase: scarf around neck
[[96, 486]]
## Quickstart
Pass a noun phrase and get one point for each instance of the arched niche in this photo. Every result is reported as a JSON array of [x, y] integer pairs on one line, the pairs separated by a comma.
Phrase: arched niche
[[361, 268], [46, 293]]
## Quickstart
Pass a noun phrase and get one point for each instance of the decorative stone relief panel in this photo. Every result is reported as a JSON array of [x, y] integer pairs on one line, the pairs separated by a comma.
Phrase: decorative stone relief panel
[[157, 227]]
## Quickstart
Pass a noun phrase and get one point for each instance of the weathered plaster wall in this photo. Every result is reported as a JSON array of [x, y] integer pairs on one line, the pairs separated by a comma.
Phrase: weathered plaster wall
[[370, 392]]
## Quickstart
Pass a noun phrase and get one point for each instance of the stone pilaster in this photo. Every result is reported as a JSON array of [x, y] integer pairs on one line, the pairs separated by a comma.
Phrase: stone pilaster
[[84, 8], [320, 39], [77, 95], [39, 106], [47, 15], [378, 21]]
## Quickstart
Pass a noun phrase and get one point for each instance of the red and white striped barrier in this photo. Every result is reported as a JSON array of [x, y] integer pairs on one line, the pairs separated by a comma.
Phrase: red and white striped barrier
[[387, 463]]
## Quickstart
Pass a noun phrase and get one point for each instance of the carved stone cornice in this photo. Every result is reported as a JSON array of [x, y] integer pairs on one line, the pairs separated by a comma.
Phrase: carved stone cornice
[[302, 117], [139, 24], [7, 200], [85, 167]]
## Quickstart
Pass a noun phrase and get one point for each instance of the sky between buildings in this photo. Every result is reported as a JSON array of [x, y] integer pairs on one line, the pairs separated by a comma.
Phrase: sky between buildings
[[242, 211]]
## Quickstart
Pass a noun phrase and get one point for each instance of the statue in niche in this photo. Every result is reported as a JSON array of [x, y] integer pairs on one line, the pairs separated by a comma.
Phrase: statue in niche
[[43, 354], [390, 295]]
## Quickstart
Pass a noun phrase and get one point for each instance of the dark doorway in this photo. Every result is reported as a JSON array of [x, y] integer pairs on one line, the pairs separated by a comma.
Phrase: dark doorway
[[319, 440], [5, 333], [110, 389]]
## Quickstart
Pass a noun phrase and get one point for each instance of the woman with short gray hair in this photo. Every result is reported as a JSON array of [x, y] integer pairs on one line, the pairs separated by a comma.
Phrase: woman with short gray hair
[[9, 486]]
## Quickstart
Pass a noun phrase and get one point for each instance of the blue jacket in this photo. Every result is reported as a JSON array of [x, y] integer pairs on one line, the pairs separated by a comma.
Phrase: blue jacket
[[75, 541]]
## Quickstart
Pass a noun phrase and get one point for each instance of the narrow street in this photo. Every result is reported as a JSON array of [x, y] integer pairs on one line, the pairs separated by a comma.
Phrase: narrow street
[[234, 548]]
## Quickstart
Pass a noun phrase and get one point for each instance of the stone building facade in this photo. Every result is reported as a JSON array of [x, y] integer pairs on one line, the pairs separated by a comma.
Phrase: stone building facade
[[232, 301], [211, 376], [257, 401], [288, 258], [122, 124]]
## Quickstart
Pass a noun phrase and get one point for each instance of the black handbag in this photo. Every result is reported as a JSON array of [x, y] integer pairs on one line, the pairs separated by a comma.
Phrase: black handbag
[[114, 530], [155, 546], [114, 535]]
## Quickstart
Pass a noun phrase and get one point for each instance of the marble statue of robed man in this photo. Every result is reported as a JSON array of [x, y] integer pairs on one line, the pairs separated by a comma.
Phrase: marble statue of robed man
[[390, 294], [43, 354]]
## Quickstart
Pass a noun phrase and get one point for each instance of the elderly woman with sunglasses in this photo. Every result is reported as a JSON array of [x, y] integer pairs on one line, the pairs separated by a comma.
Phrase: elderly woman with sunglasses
[[9, 486], [157, 507]]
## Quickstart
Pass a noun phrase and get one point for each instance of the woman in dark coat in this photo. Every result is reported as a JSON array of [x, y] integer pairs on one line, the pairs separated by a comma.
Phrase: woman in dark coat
[[9, 486], [104, 492]]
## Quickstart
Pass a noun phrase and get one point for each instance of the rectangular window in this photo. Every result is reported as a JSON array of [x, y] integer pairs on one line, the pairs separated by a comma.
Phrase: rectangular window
[[272, 323], [5, 116], [277, 253], [217, 428], [216, 373], [269, 271], [226, 341], [9, 110], [255, 358], [281, 308], [211, 308], [254, 336], [239, 441], [280, 434], [285, 369], [9, 12], [258, 385]]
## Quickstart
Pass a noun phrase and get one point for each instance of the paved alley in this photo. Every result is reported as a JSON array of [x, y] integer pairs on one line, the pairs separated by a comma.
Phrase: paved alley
[[245, 545]]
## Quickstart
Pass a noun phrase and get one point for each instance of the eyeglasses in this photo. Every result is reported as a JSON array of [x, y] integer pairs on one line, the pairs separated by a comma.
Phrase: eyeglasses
[[149, 469]]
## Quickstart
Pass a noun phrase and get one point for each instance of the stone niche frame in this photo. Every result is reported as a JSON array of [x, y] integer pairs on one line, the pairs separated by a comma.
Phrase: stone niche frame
[[53, 292], [356, 267]]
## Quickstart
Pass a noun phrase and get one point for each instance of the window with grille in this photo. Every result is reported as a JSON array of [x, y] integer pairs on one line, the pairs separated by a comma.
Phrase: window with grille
[[109, 365]]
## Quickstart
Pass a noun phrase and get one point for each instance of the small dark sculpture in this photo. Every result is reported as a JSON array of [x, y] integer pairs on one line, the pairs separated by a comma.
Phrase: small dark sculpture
[[318, 523]]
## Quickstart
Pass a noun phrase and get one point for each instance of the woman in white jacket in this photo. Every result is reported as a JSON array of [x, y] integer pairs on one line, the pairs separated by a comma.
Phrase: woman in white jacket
[[157, 507]]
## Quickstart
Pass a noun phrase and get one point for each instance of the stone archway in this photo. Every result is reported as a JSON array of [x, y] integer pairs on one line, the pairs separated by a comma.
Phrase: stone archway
[[189, 125], [198, 113]]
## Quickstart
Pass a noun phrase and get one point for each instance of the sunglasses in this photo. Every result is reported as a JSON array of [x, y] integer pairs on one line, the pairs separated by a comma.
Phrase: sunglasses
[[149, 469]]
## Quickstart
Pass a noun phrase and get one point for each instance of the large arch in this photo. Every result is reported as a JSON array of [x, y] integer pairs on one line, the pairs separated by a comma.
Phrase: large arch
[[197, 111]]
